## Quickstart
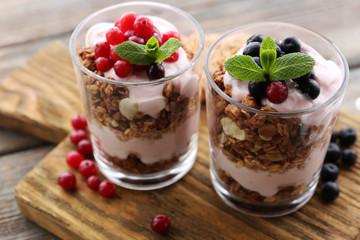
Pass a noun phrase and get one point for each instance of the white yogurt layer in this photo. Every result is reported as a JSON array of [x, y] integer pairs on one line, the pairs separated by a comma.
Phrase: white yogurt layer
[[265, 183], [150, 98], [148, 150]]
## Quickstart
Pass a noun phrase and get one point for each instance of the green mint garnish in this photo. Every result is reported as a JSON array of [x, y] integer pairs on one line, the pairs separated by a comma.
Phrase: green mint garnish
[[146, 54], [289, 66]]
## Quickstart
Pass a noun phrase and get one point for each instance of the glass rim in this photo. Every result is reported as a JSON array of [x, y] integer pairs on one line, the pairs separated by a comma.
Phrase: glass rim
[[290, 113], [77, 62]]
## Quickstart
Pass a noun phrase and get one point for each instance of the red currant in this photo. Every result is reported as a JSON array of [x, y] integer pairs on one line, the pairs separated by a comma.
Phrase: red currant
[[173, 58], [114, 36], [102, 49], [85, 148], [77, 135], [170, 34], [161, 223], [104, 64], [79, 121], [128, 34], [137, 39], [143, 26], [159, 38], [87, 168], [155, 30], [114, 55], [107, 189], [93, 182], [276, 92], [122, 68], [74, 158], [127, 21], [67, 181], [139, 68]]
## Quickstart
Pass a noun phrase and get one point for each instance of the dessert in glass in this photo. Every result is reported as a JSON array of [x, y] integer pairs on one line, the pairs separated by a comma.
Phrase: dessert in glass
[[273, 93], [137, 65]]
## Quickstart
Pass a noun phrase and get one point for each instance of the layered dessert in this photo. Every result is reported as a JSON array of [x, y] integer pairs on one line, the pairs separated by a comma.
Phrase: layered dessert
[[271, 157], [141, 124]]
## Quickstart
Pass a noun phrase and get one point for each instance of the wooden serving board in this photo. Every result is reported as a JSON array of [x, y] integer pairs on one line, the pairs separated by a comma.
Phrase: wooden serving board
[[42, 97]]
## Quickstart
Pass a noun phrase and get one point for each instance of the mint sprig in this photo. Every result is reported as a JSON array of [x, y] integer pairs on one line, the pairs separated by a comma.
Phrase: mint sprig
[[289, 66], [140, 54]]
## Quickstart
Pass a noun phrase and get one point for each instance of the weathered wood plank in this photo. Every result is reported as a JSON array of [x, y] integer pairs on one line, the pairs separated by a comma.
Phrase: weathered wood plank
[[197, 212]]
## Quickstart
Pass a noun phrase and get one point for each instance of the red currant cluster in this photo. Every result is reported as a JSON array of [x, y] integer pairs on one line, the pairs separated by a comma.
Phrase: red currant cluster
[[129, 27], [87, 168]]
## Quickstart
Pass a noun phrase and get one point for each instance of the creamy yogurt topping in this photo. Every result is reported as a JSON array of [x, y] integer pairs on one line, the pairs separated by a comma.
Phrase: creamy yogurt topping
[[327, 74], [150, 98], [268, 184]]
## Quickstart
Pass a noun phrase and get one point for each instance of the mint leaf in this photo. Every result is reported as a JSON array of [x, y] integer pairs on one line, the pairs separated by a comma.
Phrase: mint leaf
[[134, 53], [291, 66], [152, 47], [267, 54], [168, 48], [244, 67]]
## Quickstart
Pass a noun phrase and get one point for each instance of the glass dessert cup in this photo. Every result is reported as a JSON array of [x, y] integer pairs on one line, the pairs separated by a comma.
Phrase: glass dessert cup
[[262, 162], [144, 133]]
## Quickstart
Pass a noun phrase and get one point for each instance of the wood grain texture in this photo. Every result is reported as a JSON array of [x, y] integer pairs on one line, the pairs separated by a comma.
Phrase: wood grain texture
[[32, 95], [196, 211]]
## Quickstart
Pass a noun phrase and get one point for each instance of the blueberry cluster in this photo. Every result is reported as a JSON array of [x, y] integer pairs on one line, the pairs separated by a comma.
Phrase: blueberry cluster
[[305, 84], [329, 190]]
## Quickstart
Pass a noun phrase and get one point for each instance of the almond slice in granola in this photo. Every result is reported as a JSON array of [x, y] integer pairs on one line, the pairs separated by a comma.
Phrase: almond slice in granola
[[128, 107], [231, 129]]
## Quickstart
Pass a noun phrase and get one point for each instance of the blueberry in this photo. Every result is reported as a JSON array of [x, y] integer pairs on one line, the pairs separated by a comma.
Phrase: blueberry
[[309, 88], [347, 136], [305, 77], [255, 38], [329, 191], [290, 45], [334, 136], [329, 172], [252, 49], [279, 52], [155, 71], [257, 90], [257, 60], [349, 157], [332, 153]]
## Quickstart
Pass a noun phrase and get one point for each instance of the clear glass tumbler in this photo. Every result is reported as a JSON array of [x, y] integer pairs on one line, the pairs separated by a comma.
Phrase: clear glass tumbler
[[144, 133], [264, 162]]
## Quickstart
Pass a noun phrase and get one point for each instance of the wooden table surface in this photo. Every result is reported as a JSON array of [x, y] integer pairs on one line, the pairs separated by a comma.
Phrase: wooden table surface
[[26, 26]]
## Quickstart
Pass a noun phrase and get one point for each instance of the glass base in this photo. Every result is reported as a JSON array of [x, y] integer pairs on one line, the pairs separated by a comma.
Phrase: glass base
[[148, 181], [262, 209]]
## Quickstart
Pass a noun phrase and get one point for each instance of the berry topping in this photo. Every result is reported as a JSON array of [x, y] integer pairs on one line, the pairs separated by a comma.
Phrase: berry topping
[[257, 60], [77, 135], [79, 122], [143, 26], [93, 182], [87, 168], [107, 189], [67, 181], [306, 77], [309, 88], [85, 148], [329, 172], [126, 21], [334, 136], [276, 92], [160, 223], [137, 39], [102, 49], [159, 38], [290, 45], [104, 64], [257, 90], [128, 34], [279, 52], [347, 136], [74, 158], [252, 49], [255, 38], [332, 153], [122, 68], [349, 157], [329, 191], [155, 71], [139, 68], [170, 34], [114, 36], [173, 58]]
